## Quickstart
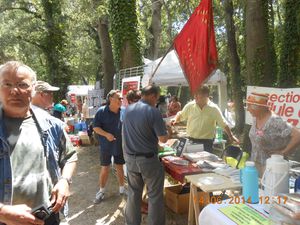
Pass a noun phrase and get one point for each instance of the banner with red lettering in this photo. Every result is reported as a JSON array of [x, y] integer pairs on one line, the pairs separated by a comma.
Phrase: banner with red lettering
[[284, 102]]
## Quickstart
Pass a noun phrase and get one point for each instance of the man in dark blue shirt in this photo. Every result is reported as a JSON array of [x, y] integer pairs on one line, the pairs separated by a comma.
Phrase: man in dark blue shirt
[[143, 127], [108, 126]]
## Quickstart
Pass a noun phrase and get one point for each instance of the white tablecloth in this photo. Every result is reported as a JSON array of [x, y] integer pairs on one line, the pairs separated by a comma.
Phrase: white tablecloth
[[210, 215]]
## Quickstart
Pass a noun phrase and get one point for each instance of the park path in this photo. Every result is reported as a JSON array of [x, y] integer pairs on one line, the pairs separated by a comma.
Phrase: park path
[[110, 211]]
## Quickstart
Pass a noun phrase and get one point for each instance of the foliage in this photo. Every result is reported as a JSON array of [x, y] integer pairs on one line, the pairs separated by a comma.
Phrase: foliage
[[124, 28], [70, 46], [290, 49]]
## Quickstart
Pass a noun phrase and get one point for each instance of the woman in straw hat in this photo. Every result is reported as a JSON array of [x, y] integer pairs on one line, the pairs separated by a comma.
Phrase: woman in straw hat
[[269, 133]]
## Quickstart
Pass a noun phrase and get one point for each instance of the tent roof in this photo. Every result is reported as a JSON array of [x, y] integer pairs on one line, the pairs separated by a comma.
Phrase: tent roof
[[169, 73], [79, 90]]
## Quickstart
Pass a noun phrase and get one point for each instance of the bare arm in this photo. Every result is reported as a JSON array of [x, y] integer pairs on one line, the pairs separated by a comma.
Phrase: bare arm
[[295, 140], [18, 215], [61, 191], [105, 134], [163, 139], [176, 119], [232, 138]]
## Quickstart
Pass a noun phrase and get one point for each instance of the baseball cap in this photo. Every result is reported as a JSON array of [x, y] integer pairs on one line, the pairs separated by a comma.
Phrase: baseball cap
[[41, 86], [59, 108]]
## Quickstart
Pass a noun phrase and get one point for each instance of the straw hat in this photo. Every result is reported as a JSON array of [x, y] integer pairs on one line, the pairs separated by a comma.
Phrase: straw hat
[[258, 99]]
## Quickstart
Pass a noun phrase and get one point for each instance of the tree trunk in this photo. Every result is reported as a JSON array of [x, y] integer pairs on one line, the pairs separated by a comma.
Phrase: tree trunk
[[235, 67], [155, 29], [58, 67], [169, 18], [107, 55], [258, 55], [290, 49], [125, 34]]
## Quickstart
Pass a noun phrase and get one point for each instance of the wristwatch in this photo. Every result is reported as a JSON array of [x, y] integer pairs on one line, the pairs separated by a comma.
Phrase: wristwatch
[[69, 180]]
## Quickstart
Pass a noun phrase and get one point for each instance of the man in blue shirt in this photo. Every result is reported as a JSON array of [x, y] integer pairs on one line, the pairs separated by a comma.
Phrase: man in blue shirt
[[108, 126], [143, 127]]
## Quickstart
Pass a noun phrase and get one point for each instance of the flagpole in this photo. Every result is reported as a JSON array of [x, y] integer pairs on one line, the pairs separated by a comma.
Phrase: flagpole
[[152, 75]]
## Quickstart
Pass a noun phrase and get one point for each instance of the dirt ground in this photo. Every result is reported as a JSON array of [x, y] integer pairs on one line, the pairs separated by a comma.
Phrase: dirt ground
[[111, 210]]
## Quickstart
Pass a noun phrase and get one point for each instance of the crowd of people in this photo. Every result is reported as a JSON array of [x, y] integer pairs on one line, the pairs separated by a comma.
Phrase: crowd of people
[[37, 171]]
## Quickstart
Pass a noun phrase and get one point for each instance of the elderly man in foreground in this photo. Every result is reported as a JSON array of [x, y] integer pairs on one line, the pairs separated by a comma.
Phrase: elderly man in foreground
[[34, 149]]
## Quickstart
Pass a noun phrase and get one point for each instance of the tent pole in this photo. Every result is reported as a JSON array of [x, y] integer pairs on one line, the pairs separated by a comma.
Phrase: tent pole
[[152, 75]]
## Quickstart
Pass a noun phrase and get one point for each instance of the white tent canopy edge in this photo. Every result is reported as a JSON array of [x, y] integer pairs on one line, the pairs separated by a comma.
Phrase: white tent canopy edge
[[169, 73]]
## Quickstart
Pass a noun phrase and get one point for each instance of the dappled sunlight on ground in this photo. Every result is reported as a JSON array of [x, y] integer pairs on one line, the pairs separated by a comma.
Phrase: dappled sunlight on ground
[[111, 210]]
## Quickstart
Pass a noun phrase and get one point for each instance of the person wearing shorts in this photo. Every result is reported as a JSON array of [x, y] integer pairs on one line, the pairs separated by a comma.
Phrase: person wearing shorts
[[108, 126]]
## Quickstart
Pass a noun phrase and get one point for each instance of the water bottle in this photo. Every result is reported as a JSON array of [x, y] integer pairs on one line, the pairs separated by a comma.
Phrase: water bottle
[[250, 182], [219, 133]]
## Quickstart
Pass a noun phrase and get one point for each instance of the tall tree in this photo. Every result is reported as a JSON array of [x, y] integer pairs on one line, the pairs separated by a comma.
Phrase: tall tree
[[124, 30], [258, 54], [290, 49], [155, 29], [235, 67], [54, 45], [107, 54]]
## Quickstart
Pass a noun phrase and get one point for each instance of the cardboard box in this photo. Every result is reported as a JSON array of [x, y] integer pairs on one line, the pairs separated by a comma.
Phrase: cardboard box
[[178, 203], [85, 139]]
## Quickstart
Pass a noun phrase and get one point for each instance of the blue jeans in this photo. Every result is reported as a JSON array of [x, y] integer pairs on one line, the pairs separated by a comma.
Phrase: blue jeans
[[149, 171]]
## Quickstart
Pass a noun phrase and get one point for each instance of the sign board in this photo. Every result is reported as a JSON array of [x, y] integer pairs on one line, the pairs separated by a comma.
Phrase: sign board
[[129, 83], [94, 100], [284, 102]]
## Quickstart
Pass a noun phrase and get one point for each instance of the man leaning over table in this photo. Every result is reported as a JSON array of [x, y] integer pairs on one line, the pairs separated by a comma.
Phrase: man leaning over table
[[202, 116], [143, 127]]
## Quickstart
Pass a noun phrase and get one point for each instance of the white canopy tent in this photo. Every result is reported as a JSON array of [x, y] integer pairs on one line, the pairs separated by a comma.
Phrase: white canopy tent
[[79, 90], [169, 73]]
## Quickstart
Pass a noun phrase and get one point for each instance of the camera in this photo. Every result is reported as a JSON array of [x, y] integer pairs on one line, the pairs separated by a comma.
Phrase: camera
[[41, 212]]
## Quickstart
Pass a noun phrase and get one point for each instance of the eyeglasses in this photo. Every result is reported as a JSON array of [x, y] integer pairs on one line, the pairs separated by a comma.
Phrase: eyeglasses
[[19, 85]]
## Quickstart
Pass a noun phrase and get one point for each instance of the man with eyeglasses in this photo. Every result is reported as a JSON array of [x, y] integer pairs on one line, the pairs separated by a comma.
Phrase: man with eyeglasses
[[43, 97], [37, 159], [107, 124]]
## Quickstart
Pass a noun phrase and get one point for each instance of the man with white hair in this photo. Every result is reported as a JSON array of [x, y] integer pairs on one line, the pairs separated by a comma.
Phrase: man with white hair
[[43, 97], [34, 149]]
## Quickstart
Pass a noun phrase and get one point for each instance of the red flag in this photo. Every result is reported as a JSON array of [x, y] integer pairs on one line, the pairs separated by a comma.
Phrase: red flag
[[196, 46]]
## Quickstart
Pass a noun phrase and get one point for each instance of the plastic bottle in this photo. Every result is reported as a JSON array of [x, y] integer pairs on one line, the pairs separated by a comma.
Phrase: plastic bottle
[[250, 182], [219, 133]]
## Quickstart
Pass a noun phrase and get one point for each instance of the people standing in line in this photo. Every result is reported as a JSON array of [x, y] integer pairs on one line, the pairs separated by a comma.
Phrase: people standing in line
[[108, 126], [43, 96], [269, 133], [202, 116], [37, 158], [174, 106], [143, 127]]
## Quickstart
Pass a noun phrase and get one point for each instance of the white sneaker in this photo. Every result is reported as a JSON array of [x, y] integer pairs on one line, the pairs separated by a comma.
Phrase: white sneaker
[[99, 197]]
